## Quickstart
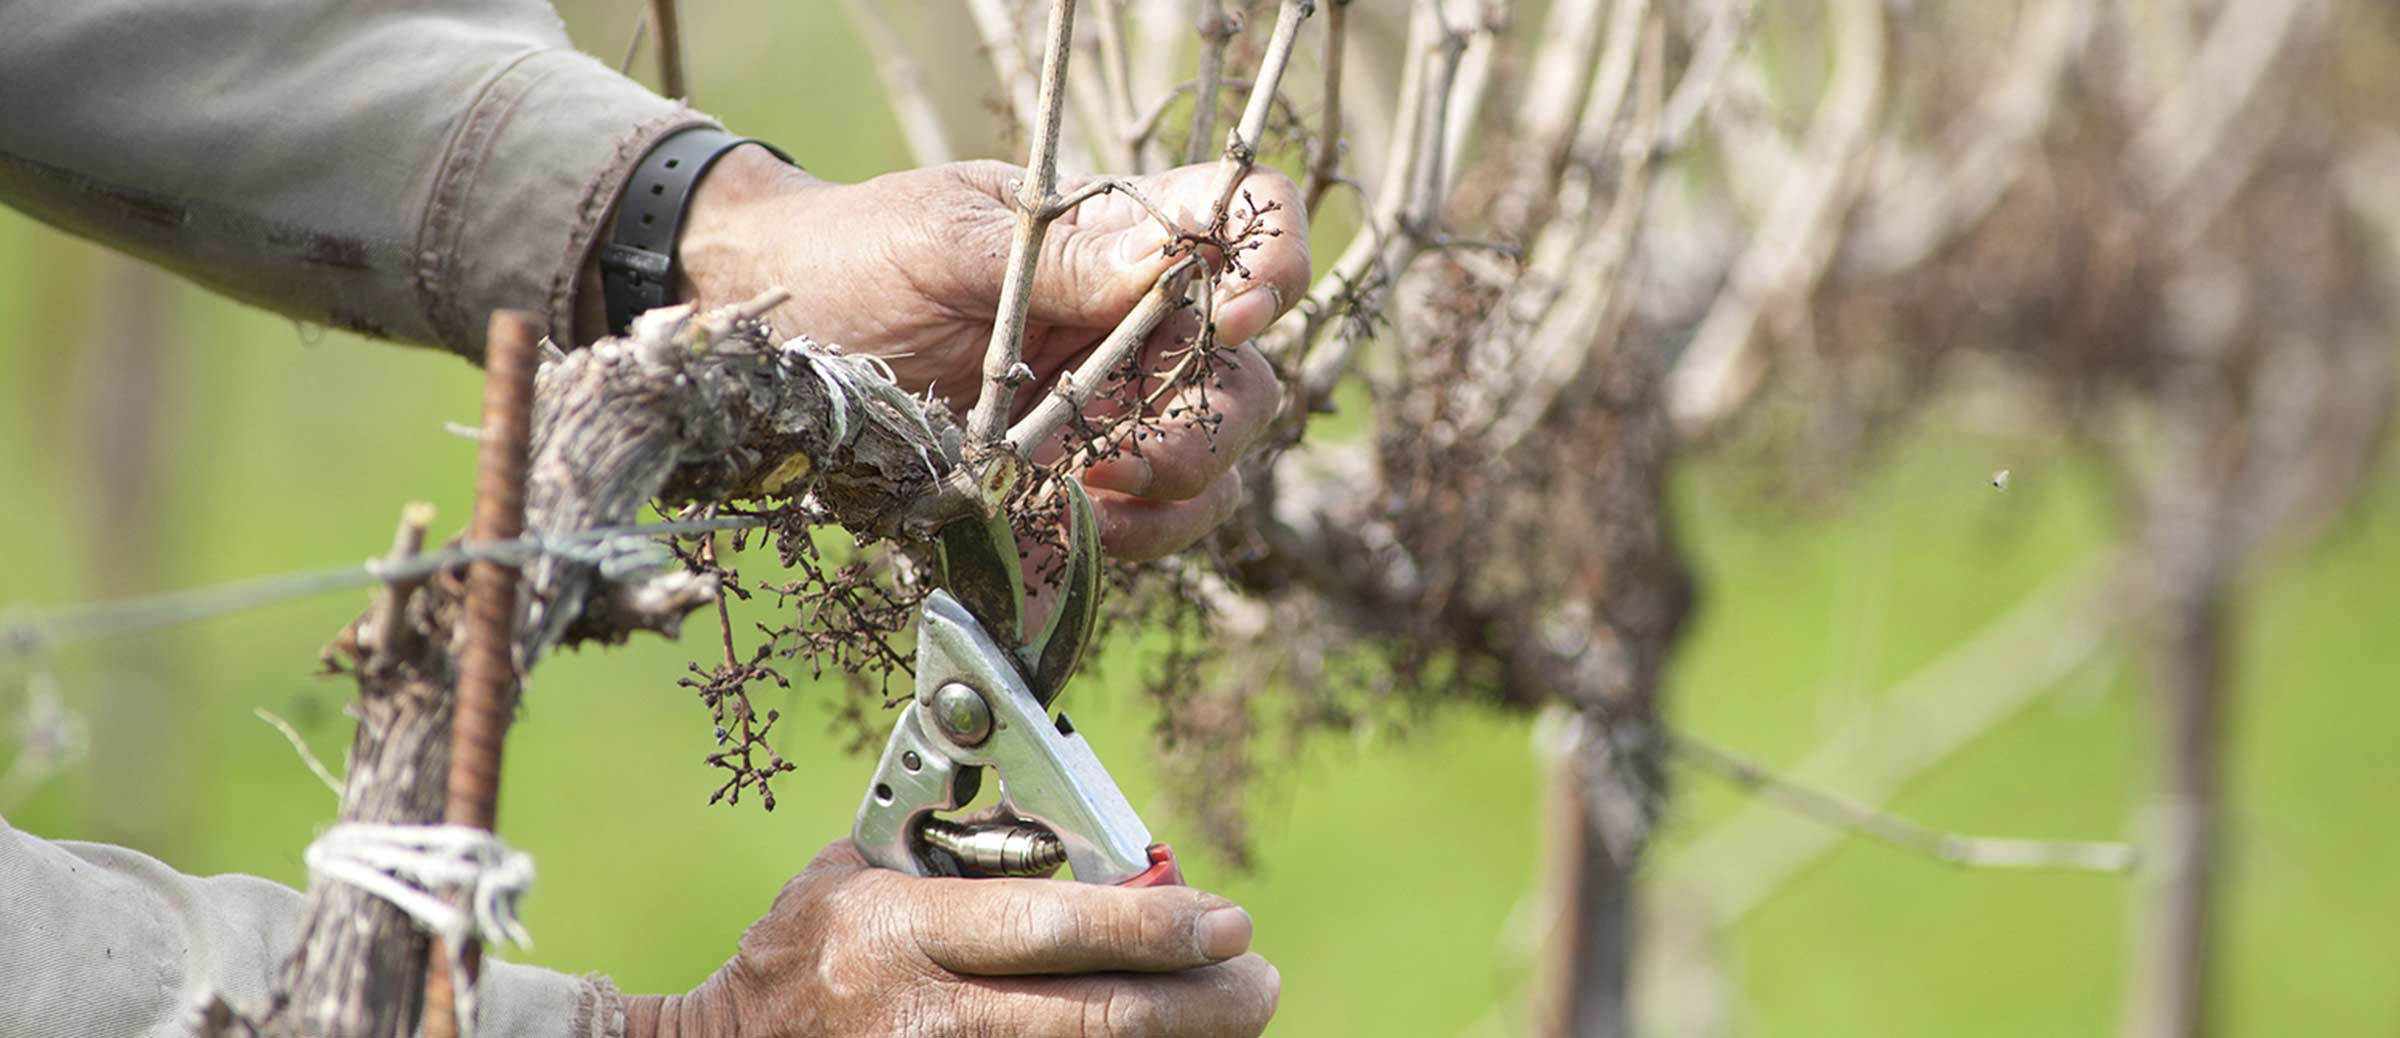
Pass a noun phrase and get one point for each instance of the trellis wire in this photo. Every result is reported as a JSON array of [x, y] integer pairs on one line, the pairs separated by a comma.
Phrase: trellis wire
[[617, 550]]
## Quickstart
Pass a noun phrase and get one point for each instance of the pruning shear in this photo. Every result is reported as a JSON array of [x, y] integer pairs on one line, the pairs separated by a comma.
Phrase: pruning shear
[[982, 701]]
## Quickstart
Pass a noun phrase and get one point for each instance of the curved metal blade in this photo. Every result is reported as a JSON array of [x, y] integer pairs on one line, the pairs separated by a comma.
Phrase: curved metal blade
[[980, 569], [1052, 658]]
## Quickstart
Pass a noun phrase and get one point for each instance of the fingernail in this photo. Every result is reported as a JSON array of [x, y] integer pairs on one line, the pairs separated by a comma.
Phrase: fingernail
[[1125, 474], [1224, 933]]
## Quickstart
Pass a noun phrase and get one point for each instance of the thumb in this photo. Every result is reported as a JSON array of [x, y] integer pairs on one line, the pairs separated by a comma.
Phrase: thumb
[[1015, 927], [1091, 276]]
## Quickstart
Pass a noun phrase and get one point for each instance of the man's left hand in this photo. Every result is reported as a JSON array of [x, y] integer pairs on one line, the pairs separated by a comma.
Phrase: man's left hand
[[908, 267]]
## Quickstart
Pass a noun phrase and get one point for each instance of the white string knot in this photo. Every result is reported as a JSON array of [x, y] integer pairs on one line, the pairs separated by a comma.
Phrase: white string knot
[[408, 864], [414, 866]]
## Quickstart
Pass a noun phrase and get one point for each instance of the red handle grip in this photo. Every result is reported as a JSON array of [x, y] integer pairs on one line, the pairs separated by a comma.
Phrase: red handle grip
[[1163, 872]]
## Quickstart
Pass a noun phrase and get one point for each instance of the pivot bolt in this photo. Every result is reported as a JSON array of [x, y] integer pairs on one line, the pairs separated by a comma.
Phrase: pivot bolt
[[962, 714]]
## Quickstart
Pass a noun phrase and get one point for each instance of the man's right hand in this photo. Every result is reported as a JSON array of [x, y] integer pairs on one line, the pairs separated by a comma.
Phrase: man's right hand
[[850, 950]]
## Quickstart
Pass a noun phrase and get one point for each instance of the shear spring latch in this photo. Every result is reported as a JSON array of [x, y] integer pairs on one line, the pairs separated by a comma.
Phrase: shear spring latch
[[1008, 849]]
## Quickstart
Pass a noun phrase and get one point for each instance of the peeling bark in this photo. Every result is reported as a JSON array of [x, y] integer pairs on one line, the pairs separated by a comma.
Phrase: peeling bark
[[683, 412]]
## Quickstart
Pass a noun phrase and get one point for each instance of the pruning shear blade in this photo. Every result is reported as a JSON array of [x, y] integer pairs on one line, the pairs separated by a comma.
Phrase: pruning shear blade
[[979, 567]]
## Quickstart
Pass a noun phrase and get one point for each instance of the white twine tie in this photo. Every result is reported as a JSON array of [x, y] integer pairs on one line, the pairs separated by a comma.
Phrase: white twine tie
[[410, 865]]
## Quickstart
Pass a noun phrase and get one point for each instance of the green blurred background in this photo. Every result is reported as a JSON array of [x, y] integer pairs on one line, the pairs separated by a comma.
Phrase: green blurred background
[[1396, 879]]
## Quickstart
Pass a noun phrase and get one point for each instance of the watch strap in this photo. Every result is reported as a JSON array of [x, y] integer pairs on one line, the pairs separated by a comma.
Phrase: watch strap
[[638, 263]]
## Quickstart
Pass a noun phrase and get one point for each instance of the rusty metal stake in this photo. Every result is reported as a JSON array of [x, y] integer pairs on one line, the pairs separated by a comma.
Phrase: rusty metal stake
[[487, 670]]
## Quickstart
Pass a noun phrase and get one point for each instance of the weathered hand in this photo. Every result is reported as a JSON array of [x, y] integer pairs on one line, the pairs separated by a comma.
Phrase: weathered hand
[[908, 267], [850, 950]]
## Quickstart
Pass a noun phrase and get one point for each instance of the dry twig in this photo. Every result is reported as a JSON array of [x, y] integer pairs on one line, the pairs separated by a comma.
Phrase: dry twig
[[903, 85], [666, 25], [1003, 365]]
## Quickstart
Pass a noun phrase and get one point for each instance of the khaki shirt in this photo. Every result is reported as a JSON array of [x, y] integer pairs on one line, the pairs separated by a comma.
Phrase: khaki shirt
[[104, 942], [400, 168]]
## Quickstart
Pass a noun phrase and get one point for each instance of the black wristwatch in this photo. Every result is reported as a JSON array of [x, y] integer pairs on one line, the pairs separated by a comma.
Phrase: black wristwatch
[[637, 265]]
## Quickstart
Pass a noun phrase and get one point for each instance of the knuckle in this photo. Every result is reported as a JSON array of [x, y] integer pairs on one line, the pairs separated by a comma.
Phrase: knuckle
[[905, 930], [1035, 920], [840, 982], [1115, 1011], [1166, 924], [928, 1010], [1111, 930], [797, 893]]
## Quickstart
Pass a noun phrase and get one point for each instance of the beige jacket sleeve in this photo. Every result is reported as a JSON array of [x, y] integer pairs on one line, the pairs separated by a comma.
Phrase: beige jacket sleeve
[[103, 942], [396, 167]]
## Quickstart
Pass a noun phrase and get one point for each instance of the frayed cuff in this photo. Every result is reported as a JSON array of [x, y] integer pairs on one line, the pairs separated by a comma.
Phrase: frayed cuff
[[526, 188]]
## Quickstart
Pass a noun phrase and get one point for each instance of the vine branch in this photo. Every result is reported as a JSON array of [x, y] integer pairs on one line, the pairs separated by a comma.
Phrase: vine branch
[[1991, 852], [1003, 360]]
